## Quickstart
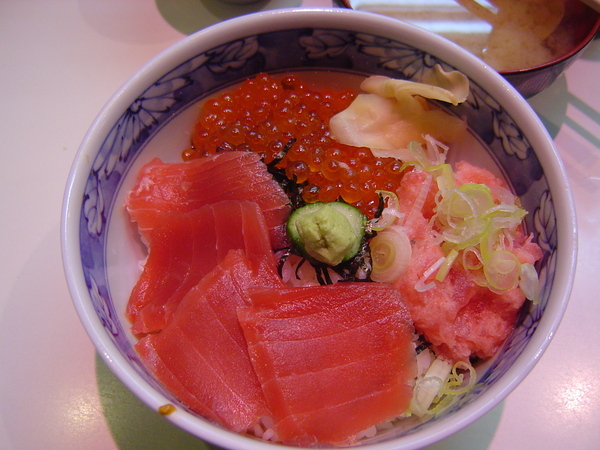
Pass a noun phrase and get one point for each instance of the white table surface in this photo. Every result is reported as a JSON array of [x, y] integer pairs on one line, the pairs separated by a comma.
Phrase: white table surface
[[60, 61]]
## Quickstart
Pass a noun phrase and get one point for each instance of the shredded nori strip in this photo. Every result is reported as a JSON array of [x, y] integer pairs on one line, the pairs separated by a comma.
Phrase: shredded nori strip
[[380, 207], [292, 188], [281, 154], [288, 252], [323, 276], [422, 346]]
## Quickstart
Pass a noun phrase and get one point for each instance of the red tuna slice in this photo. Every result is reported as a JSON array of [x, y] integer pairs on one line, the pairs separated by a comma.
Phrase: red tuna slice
[[459, 318], [201, 356], [183, 247], [332, 360], [183, 187]]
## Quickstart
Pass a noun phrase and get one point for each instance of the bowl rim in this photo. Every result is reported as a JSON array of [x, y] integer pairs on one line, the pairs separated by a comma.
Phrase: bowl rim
[[264, 21]]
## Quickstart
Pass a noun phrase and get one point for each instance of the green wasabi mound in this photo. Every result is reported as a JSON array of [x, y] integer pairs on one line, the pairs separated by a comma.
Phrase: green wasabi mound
[[329, 233]]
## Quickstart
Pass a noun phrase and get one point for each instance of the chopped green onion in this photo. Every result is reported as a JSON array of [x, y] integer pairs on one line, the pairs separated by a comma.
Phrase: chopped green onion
[[530, 283], [468, 219], [471, 258], [440, 386], [467, 232], [390, 253], [445, 267], [421, 285], [390, 211], [437, 151], [455, 384], [416, 150], [429, 386], [502, 270], [468, 201], [468, 224], [444, 176]]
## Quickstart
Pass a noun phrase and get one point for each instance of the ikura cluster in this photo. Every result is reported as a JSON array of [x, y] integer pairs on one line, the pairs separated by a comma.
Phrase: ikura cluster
[[264, 115]]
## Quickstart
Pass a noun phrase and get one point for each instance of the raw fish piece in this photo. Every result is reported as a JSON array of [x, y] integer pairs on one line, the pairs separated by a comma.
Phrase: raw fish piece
[[459, 318], [185, 246], [201, 356], [332, 360], [183, 187]]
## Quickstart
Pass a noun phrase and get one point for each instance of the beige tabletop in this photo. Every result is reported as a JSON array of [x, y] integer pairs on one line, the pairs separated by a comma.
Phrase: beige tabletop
[[61, 60]]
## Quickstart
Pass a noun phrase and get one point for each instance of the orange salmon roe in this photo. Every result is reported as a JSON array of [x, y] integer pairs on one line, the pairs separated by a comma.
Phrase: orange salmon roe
[[262, 115]]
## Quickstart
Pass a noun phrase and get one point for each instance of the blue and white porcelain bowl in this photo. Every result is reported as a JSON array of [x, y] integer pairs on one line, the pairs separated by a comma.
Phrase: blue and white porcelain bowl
[[152, 115]]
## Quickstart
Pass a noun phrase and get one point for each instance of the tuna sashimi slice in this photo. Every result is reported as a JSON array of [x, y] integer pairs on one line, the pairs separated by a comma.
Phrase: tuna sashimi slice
[[183, 247], [332, 360], [201, 356], [185, 186]]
